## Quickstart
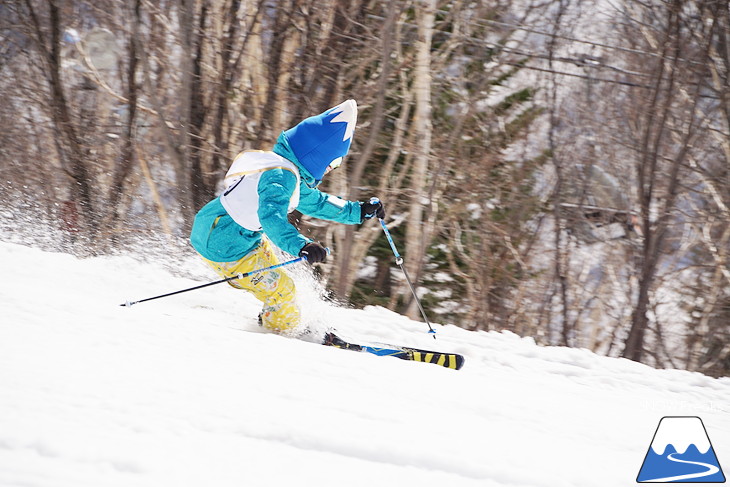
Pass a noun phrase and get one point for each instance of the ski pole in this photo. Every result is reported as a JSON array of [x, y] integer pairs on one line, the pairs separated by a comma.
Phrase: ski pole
[[237, 276], [399, 261]]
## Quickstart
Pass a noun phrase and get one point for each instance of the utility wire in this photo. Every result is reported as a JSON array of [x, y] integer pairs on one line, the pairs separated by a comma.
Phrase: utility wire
[[584, 62], [481, 22], [531, 30]]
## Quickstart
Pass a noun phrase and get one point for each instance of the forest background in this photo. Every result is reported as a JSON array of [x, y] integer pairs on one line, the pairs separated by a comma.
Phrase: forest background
[[557, 168]]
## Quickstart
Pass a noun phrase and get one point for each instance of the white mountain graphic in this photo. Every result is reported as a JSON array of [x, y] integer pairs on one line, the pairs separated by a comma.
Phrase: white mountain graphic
[[680, 432]]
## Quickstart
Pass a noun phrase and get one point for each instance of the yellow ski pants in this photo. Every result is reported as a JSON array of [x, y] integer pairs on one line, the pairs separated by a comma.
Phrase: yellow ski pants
[[275, 288]]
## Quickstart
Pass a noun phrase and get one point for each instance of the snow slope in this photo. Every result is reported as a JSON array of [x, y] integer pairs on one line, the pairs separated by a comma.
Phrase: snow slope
[[186, 391]]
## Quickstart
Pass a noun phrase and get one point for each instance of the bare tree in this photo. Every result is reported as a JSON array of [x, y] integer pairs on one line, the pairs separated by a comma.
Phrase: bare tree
[[122, 170], [660, 161], [45, 29]]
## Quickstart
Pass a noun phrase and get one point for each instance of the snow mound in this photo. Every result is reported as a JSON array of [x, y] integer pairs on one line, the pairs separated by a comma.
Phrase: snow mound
[[187, 391]]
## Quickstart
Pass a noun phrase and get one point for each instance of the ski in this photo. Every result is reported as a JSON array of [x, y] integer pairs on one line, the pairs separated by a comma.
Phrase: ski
[[448, 360]]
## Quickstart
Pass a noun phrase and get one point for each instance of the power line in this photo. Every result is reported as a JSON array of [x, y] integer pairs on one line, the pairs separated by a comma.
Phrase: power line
[[581, 62], [576, 75], [531, 30], [585, 61]]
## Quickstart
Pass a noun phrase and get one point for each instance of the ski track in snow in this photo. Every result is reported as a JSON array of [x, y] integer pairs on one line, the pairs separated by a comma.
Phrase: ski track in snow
[[187, 391]]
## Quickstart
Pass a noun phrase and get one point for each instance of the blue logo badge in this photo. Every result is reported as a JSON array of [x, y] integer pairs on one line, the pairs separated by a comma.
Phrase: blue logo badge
[[681, 452]]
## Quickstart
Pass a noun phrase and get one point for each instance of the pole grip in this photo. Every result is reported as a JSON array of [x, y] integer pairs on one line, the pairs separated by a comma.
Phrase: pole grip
[[305, 259]]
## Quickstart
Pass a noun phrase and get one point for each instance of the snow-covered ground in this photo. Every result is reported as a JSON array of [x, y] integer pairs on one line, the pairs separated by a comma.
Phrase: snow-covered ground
[[186, 391]]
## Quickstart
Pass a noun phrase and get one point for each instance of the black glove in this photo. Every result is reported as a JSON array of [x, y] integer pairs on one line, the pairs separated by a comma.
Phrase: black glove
[[314, 253], [372, 208]]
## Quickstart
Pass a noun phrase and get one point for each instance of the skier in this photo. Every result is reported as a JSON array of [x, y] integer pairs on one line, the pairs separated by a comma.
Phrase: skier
[[233, 233]]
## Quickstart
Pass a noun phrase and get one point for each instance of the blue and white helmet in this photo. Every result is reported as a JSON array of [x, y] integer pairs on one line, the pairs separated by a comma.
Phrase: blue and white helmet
[[323, 140]]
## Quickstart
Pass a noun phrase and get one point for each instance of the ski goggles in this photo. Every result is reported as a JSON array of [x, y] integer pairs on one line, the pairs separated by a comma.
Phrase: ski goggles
[[334, 165]]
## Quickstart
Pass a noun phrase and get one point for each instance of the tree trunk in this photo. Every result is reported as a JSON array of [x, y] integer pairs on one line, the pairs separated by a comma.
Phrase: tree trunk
[[68, 140], [122, 170], [346, 264], [649, 170], [415, 245]]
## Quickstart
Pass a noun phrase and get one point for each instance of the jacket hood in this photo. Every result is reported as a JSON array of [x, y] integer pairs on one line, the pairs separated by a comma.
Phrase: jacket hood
[[318, 141], [283, 149]]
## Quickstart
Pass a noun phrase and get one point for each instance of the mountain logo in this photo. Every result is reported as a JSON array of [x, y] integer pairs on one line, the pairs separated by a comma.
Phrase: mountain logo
[[681, 452]]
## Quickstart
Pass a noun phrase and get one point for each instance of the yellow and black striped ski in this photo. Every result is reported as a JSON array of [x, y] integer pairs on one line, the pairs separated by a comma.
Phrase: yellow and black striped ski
[[448, 360]]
